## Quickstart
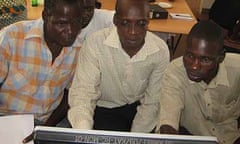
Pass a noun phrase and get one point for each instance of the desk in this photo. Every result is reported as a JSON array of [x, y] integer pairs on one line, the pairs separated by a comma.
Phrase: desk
[[166, 25]]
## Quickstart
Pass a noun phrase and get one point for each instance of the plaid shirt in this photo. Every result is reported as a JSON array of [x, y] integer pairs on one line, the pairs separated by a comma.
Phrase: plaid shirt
[[29, 81]]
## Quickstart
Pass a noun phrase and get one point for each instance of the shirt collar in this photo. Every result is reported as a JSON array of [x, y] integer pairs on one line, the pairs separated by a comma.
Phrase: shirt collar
[[36, 29], [148, 48], [221, 78]]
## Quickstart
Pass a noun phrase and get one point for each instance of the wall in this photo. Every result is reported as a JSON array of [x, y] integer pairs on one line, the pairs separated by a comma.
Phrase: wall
[[206, 4]]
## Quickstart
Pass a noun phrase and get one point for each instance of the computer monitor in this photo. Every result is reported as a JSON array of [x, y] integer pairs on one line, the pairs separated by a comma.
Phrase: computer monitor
[[54, 135]]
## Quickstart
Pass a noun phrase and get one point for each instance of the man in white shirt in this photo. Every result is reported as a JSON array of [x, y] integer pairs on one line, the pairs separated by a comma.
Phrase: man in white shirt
[[200, 91], [118, 78], [94, 19]]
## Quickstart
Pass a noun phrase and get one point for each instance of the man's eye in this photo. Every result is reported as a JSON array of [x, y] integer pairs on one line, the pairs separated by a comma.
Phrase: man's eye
[[206, 60], [124, 23], [142, 23], [189, 55], [61, 23], [76, 21]]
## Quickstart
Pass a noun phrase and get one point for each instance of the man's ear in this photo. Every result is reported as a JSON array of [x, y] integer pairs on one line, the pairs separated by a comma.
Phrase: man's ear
[[44, 15], [221, 56], [115, 19]]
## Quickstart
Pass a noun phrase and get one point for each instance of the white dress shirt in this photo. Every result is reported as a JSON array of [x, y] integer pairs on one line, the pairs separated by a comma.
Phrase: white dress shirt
[[108, 77], [101, 19], [204, 109]]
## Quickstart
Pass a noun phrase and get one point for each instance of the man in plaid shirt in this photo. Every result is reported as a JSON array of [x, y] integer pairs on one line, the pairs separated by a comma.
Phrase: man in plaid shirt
[[37, 62]]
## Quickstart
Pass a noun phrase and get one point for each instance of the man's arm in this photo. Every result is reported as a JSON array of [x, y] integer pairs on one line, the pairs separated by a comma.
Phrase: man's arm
[[4, 56], [84, 91], [146, 117], [171, 99]]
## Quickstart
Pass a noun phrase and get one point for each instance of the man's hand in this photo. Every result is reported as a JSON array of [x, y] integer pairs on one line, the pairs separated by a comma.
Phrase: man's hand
[[28, 138], [167, 129]]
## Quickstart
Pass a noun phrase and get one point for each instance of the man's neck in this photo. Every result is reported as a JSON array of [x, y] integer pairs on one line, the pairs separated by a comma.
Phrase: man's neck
[[55, 49]]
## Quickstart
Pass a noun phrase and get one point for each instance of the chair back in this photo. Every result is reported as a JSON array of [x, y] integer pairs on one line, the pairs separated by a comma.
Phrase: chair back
[[12, 11]]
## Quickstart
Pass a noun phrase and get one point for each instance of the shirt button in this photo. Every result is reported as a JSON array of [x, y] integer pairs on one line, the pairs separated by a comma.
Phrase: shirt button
[[213, 129], [208, 104]]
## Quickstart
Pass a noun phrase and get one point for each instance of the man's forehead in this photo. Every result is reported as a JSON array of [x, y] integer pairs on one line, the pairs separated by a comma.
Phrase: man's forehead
[[204, 47], [132, 14]]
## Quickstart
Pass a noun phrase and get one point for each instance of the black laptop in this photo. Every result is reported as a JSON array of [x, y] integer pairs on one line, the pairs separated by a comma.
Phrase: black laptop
[[54, 135]]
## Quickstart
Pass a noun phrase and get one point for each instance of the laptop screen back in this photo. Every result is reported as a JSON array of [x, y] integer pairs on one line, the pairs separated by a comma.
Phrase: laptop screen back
[[54, 135]]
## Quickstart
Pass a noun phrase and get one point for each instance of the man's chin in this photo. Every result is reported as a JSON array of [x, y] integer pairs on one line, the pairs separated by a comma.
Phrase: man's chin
[[67, 43], [195, 80]]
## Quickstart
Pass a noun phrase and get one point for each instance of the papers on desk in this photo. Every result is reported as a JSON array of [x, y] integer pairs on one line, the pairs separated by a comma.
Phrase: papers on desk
[[14, 128], [183, 16]]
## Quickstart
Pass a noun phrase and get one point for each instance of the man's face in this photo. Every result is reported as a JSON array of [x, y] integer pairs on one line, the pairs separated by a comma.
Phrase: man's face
[[63, 24], [88, 6], [131, 25], [201, 60]]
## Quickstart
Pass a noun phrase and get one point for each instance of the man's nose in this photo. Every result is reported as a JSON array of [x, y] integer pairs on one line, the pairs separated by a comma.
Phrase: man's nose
[[68, 29], [132, 28], [196, 64]]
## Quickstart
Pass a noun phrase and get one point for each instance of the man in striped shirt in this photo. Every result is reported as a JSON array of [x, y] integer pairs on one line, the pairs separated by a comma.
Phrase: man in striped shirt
[[37, 62]]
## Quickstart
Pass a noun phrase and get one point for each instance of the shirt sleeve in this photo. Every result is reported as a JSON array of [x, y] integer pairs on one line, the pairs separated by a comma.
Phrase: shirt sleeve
[[171, 97], [4, 56], [84, 90], [106, 17], [147, 112]]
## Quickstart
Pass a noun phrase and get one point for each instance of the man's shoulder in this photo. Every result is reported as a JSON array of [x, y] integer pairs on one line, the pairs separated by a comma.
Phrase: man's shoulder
[[20, 27], [176, 72], [176, 66], [177, 63], [102, 15], [99, 36], [101, 19], [232, 60], [103, 12], [155, 40]]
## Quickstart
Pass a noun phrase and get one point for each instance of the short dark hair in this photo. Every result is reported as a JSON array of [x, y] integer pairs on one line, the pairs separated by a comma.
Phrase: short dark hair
[[137, 1], [208, 31], [49, 5]]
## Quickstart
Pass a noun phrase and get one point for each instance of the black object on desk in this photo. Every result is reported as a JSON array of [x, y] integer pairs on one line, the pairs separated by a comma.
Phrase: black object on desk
[[157, 12]]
